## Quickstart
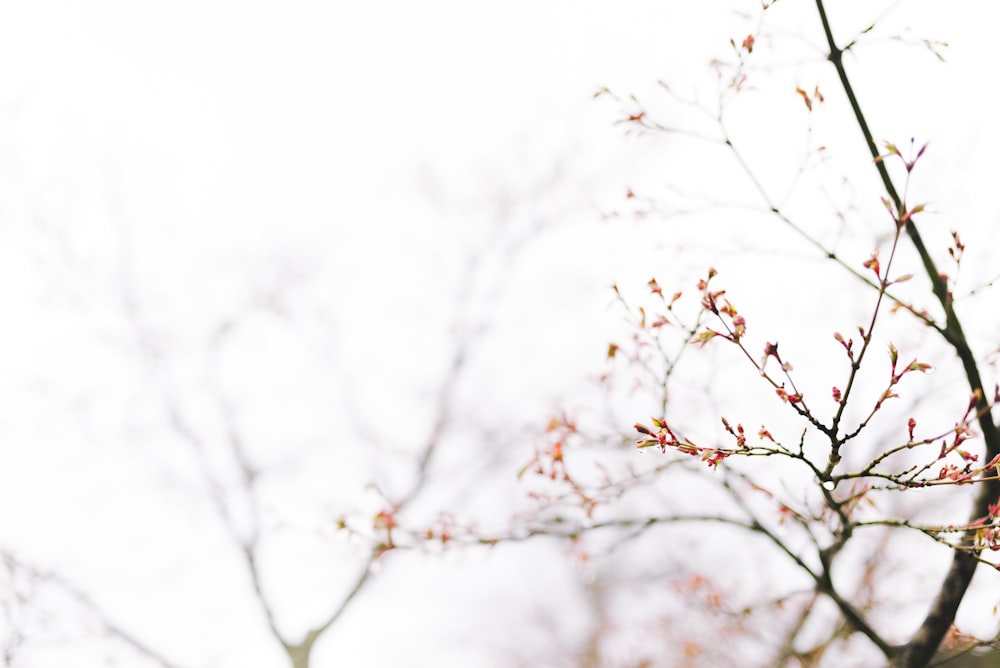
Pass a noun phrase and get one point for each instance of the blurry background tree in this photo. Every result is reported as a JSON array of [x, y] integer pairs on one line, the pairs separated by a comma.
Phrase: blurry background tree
[[292, 289], [272, 289]]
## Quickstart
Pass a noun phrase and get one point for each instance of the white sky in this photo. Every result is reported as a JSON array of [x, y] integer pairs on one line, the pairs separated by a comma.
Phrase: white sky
[[324, 172]]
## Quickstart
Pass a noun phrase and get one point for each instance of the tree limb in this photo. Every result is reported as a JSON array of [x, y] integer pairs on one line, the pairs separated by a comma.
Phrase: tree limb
[[921, 647]]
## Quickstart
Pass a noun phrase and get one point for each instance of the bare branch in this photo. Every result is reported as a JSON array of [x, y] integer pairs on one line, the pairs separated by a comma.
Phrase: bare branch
[[96, 613]]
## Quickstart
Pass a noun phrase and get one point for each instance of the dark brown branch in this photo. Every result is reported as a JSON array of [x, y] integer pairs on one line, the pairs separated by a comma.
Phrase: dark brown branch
[[921, 647], [824, 584]]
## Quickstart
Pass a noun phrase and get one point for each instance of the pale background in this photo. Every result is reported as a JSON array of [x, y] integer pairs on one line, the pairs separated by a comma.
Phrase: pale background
[[305, 207]]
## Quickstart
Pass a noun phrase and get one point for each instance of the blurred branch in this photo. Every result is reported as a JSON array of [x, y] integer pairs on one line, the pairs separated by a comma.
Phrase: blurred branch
[[95, 613]]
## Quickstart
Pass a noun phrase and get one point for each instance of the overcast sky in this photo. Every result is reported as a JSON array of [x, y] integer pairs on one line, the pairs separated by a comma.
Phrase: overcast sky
[[391, 178]]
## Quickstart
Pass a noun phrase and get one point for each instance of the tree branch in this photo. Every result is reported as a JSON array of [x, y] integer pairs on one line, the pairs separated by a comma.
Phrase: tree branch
[[98, 615], [921, 647]]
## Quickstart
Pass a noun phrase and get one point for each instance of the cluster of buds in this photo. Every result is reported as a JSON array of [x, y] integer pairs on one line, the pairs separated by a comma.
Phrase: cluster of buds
[[663, 437], [714, 302]]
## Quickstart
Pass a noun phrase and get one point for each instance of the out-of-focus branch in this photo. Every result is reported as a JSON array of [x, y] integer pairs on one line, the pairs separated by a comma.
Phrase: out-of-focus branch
[[787, 650], [439, 428], [246, 541], [96, 614]]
